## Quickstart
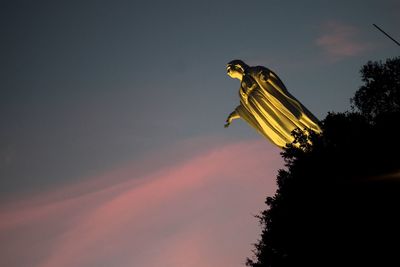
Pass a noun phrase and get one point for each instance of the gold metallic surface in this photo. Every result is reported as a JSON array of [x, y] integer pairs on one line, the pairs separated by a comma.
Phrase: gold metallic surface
[[266, 104]]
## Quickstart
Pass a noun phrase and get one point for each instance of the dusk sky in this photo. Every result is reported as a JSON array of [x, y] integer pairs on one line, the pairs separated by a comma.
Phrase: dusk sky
[[112, 145]]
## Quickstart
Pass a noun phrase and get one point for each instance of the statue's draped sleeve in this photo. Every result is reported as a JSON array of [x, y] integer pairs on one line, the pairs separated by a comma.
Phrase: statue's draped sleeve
[[246, 115]]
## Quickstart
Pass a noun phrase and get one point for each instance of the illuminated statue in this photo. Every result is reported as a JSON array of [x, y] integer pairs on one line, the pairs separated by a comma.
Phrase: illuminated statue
[[266, 104]]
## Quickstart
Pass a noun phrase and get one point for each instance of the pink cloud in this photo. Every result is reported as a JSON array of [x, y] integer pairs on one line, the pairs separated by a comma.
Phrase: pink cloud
[[192, 212], [340, 40]]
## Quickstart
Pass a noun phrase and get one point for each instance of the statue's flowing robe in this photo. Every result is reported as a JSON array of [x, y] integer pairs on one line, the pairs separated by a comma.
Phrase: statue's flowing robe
[[268, 107]]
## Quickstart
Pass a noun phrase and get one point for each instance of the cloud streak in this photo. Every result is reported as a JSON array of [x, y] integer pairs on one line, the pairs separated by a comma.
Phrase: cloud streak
[[193, 212], [339, 40]]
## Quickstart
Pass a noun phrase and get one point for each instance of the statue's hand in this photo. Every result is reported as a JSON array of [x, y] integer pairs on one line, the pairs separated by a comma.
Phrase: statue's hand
[[231, 117], [228, 121]]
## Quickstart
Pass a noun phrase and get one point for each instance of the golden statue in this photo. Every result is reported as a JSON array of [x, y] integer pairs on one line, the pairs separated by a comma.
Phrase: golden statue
[[267, 106]]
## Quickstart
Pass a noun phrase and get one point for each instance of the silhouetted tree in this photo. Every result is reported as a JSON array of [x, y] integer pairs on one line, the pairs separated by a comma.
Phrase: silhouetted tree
[[381, 90], [338, 200]]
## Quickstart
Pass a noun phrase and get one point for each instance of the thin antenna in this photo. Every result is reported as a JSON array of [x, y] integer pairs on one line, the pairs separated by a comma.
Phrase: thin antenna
[[386, 34]]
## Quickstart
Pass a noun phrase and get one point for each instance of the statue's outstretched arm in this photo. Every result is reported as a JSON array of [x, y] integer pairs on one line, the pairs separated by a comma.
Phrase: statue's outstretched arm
[[234, 115]]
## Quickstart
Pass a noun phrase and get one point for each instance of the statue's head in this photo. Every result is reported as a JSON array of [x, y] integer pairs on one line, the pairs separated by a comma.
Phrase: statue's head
[[236, 68]]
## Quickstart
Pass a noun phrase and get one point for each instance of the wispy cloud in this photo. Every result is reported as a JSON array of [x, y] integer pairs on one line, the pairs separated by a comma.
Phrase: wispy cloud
[[195, 212], [339, 40]]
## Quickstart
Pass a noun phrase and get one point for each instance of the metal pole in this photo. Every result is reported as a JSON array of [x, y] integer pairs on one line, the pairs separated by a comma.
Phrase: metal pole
[[386, 34]]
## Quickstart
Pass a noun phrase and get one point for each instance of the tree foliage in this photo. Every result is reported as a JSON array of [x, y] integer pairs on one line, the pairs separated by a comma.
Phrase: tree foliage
[[380, 93], [338, 199]]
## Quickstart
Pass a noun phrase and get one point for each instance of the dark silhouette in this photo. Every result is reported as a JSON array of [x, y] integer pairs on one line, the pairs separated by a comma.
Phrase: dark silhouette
[[380, 93], [338, 201]]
